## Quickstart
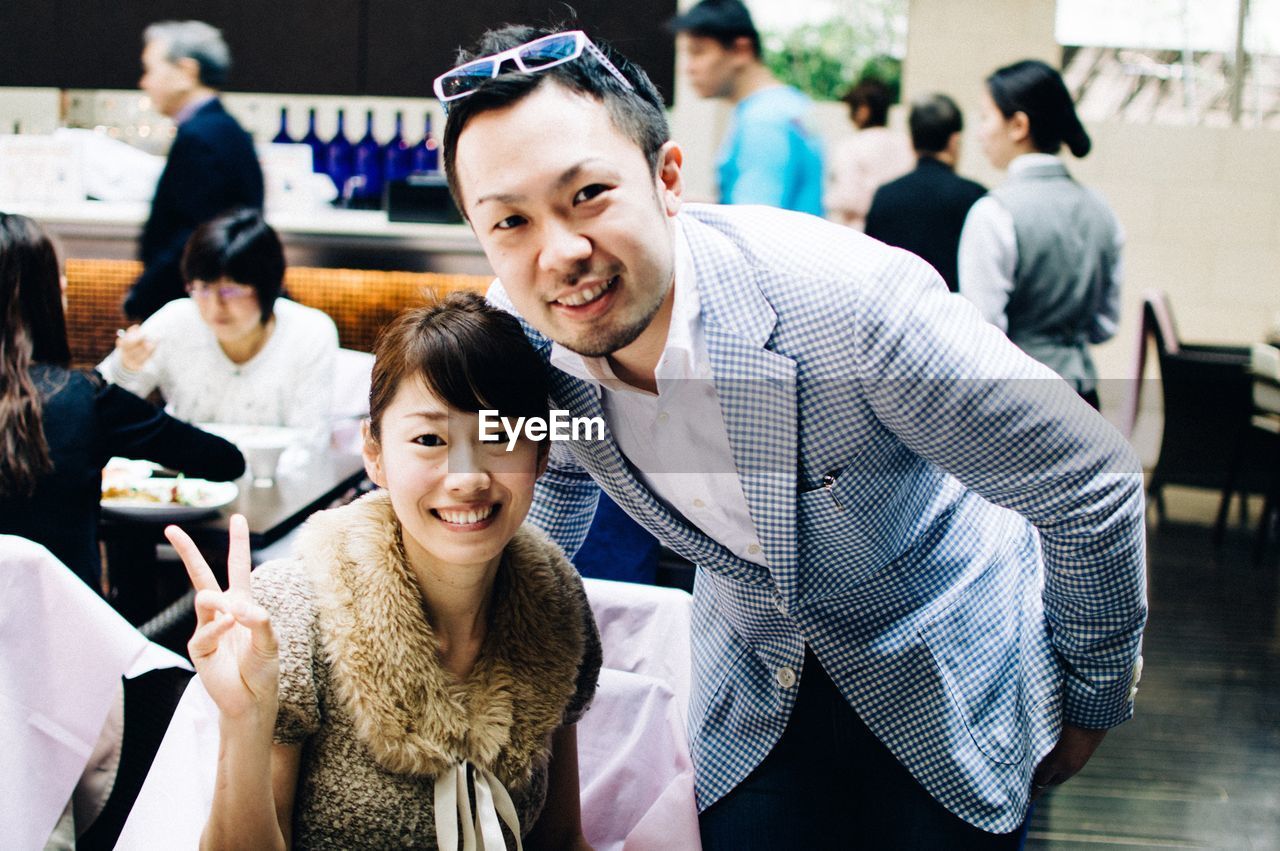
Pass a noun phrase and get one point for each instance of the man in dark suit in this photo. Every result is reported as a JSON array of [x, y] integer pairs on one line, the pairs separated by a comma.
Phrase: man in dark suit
[[212, 165], [924, 211]]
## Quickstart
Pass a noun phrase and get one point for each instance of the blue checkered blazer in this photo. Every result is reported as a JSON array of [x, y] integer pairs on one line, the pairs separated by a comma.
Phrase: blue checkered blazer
[[957, 537]]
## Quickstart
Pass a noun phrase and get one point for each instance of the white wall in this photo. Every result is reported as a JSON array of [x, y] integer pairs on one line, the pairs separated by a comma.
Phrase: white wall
[[1200, 205]]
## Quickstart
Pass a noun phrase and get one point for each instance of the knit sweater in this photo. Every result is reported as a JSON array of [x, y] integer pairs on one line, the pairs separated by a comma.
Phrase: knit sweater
[[362, 688]]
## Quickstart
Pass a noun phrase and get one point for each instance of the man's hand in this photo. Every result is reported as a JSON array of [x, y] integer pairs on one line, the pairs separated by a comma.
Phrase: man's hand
[[1074, 748]]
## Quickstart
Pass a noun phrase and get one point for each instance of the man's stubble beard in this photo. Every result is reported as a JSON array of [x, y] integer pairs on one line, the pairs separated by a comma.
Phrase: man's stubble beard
[[600, 342]]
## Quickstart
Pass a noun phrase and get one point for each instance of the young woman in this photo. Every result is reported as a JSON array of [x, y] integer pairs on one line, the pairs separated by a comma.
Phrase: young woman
[[58, 427], [235, 351], [414, 671], [862, 163], [1040, 255]]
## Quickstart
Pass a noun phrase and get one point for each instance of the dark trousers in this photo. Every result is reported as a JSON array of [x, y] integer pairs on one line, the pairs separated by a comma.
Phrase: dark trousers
[[830, 783]]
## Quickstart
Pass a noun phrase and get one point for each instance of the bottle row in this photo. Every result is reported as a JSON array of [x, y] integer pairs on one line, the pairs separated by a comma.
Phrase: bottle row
[[361, 169]]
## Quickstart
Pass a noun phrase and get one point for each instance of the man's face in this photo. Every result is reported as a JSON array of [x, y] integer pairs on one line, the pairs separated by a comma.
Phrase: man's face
[[571, 217], [712, 68], [166, 83]]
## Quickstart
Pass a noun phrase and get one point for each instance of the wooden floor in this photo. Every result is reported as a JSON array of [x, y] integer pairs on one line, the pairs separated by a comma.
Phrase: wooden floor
[[1199, 764]]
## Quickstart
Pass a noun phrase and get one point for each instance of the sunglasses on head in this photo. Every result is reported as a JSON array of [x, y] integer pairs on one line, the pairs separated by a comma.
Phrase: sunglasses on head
[[531, 57]]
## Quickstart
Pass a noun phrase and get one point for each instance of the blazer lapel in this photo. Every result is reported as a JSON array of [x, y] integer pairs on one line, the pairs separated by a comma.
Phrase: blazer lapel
[[604, 461], [757, 392]]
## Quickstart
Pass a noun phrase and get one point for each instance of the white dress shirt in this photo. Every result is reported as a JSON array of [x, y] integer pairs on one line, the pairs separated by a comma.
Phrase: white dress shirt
[[988, 259], [676, 439]]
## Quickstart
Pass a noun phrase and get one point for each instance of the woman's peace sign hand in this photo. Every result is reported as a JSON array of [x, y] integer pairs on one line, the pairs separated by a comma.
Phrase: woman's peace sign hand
[[234, 647]]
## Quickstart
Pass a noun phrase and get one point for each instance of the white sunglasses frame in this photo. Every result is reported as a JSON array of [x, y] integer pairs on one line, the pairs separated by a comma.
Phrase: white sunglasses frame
[[582, 43]]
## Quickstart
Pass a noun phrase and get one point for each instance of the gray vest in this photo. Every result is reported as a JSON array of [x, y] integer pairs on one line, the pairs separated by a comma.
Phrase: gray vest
[[1066, 254]]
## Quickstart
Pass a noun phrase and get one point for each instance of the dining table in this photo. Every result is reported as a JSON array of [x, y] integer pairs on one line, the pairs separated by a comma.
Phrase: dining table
[[143, 587]]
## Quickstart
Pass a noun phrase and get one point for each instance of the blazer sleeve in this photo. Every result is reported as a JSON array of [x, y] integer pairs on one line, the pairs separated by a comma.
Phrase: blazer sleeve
[[564, 500], [134, 428], [955, 391]]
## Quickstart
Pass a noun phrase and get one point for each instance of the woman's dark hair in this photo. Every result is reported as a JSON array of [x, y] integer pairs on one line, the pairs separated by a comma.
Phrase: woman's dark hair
[[876, 96], [637, 113], [469, 353], [1037, 90], [242, 247], [33, 330]]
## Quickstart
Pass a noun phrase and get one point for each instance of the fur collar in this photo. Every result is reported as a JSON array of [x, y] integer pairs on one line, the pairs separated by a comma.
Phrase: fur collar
[[412, 714]]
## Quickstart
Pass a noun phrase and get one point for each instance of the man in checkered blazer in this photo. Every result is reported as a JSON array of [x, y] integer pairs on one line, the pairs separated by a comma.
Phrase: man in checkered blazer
[[920, 589]]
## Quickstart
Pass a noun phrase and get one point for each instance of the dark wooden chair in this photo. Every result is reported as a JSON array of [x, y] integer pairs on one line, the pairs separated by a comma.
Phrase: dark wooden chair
[[1207, 441]]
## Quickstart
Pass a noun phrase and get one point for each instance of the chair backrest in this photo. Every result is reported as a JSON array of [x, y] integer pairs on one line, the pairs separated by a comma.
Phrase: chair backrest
[[63, 651], [351, 376], [173, 804], [1157, 315], [634, 770], [645, 629], [1157, 326]]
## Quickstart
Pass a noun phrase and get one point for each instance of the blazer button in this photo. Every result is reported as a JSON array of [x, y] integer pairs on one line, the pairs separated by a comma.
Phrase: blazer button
[[786, 676]]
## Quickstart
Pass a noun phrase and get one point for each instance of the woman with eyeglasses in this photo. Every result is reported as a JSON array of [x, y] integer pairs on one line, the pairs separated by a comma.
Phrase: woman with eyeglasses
[[58, 426], [236, 351]]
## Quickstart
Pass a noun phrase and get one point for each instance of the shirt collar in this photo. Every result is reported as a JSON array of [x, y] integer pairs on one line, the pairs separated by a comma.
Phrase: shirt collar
[[184, 115], [681, 355], [1022, 162]]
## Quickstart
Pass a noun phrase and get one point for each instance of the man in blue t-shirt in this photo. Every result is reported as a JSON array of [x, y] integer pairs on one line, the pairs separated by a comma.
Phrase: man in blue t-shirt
[[771, 155]]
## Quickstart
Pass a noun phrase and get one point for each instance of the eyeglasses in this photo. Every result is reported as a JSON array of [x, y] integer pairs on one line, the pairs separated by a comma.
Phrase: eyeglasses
[[225, 292], [537, 55]]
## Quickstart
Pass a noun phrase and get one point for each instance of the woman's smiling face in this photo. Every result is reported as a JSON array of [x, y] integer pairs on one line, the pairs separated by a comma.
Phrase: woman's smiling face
[[459, 500]]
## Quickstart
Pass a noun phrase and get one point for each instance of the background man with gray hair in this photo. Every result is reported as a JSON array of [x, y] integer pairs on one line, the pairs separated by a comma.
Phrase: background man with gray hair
[[924, 211], [212, 165]]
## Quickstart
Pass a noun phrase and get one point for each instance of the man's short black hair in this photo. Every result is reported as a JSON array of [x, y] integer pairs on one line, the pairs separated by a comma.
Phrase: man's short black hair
[[934, 118], [726, 21], [637, 113]]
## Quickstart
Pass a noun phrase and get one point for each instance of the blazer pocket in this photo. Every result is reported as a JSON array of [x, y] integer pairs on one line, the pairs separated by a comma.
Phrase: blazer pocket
[[976, 645]]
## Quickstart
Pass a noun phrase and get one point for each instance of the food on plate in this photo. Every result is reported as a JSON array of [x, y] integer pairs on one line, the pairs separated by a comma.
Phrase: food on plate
[[158, 492]]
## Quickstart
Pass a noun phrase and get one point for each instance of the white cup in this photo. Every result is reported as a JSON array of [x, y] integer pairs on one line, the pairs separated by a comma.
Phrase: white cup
[[263, 461]]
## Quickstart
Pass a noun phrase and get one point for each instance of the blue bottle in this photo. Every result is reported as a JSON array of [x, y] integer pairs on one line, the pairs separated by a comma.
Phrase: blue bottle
[[283, 137], [426, 154], [395, 154], [367, 164], [338, 158], [313, 140]]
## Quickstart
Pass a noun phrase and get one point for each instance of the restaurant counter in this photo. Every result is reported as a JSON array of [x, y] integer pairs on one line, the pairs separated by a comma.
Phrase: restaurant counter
[[324, 237]]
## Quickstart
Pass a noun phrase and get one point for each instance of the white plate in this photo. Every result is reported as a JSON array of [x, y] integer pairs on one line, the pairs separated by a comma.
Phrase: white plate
[[198, 497]]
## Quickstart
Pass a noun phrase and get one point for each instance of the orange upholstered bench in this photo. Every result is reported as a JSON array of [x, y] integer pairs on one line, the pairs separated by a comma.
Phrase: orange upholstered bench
[[360, 301]]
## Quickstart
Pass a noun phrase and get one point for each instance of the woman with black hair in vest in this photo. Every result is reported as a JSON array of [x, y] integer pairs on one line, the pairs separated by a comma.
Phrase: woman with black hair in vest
[[1040, 255]]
